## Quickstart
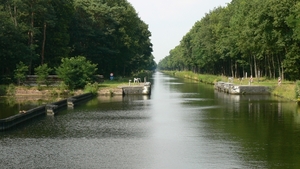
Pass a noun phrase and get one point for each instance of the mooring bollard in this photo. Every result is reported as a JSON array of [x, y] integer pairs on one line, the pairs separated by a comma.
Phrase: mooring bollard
[[50, 108], [70, 101], [147, 84]]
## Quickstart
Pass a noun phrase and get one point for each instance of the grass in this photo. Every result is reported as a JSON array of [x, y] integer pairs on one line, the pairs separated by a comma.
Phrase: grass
[[112, 84], [115, 83], [285, 90], [209, 79], [62, 89]]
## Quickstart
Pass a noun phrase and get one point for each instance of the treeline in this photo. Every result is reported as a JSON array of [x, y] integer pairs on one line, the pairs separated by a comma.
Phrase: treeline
[[260, 37], [108, 33]]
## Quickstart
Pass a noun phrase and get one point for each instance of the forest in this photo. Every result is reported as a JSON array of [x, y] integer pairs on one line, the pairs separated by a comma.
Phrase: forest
[[254, 37], [109, 33]]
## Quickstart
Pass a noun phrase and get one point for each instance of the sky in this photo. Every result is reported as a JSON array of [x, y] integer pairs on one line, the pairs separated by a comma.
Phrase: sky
[[170, 20]]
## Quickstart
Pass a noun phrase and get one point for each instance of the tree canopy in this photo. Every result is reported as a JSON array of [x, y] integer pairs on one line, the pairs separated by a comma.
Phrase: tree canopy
[[109, 33], [253, 36]]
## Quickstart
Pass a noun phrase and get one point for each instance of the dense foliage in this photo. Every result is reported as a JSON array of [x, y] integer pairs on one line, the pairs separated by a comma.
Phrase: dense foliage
[[259, 37], [76, 72], [42, 73], [297, 91], [109, 33], [20, 72]]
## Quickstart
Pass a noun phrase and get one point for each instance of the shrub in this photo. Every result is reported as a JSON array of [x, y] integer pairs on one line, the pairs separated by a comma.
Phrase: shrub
[[76, 72], [42, 73], [297, 89], [11, 90], [62, 86], [6, 79], [143, 74], [91, 88], [2, 90], [20, 72]]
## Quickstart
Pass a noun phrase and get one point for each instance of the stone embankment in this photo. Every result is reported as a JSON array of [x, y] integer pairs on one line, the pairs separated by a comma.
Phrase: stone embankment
[[52, 108], [22, 117], [35, 92], [141, 89], [31, 92], [241, 89], [49, 109], [110, 91]]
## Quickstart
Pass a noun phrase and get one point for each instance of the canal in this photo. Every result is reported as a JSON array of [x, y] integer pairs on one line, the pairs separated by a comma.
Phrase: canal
[[183, 124]]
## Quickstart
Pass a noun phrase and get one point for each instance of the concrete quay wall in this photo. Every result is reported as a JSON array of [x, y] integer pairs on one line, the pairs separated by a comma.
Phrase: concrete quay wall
[[52, 108], [19, 118], [241, 89], [72, 101], [49, 109], [144, 89]]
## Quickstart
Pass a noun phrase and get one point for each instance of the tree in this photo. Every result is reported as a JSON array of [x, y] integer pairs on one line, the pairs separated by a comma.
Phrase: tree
[[111, 34], [13, 38], [20, 72], [106, 32], [260, 37], [42, 72], [76, 72]]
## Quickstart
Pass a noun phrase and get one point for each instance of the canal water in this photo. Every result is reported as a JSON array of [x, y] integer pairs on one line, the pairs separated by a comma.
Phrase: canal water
[[183, 124]]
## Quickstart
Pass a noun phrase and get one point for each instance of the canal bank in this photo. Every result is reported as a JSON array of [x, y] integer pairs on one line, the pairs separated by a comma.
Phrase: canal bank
[[287, 90], [104, 89], [49, 109], [183, 124], [233, 89], [54, 107]]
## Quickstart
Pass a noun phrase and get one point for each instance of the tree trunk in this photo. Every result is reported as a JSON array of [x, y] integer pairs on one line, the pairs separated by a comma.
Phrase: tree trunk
[[274, 68], [13, 14], [44, 42], [232, 71], [124, 70], [255, 66], [236, 68], [251, 67], [269, 67], [282, 73], [279, 66], [30, 38]]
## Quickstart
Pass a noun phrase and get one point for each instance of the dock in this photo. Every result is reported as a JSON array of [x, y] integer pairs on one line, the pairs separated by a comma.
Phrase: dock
[[137, 89]]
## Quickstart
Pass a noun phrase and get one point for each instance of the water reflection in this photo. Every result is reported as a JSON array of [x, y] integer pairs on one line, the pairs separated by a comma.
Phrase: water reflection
[[10, 106], [183, 124]]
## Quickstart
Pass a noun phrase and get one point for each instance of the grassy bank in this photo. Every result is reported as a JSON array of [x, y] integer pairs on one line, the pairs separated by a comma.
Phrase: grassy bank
[[108, 87], [286, 90]]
